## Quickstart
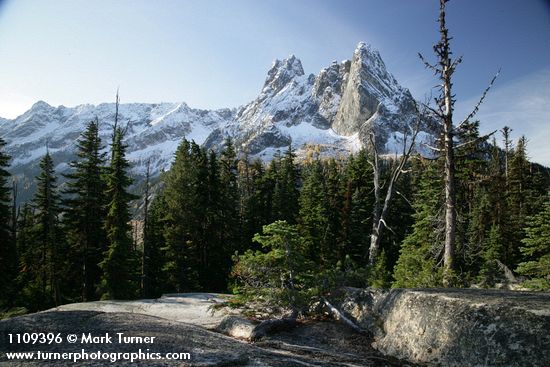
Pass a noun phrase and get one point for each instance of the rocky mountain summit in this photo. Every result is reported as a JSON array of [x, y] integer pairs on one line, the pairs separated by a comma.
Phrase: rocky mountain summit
[[335, 109]]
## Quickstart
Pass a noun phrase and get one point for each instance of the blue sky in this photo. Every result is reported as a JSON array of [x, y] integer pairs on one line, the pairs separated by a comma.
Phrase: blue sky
[[215, 53]]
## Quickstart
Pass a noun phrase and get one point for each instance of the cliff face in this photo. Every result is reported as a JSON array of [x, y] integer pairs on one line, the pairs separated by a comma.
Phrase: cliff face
[[456, 327], [369, 90]]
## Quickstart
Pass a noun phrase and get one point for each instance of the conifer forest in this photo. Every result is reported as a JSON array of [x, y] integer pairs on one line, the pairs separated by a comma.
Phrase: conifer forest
[[218, 221]]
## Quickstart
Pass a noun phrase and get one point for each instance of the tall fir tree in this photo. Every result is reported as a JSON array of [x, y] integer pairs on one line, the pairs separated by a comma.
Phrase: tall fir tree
[[85, 210], [179, 247], [487, 231], [335, 184], [361, 206], [216, 251], [198, 219], [399, 217], [417, 263], [258, 202], [8, 252], [313, 216], [471, 171], [286, 193], [29, 259], [229, 209], [48, 239], [535, 249], [120, 263], [153, 243], [518, 200]]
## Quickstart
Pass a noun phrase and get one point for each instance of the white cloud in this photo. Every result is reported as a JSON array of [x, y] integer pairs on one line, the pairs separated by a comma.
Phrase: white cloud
[[523, 105]]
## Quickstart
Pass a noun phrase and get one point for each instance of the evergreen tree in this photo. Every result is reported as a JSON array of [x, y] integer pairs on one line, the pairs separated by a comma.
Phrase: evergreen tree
[[399, 217], [417, 263], [47, 237], [360, 195], [471, 173], [279, 276], [285, 196], [29, 259], [490, 272], [536, 249], [153, 241], [120, 263], [444, 68], [85, 205], [179, 247], [313, 216], [230, 220], [334, 237], [518, 201], [217, 254], [488, 222], [8, 253], [258, 203], [198, 220]]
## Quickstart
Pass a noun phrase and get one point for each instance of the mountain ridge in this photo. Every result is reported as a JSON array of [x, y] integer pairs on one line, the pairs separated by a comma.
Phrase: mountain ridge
[[335, 109]]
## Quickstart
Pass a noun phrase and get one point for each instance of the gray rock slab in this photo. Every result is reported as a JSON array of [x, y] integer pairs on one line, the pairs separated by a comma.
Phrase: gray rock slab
[[192, 308], [456, 327], [184, 323]]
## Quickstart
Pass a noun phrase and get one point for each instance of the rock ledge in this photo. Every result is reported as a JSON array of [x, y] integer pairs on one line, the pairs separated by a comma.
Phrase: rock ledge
[[455, 327]]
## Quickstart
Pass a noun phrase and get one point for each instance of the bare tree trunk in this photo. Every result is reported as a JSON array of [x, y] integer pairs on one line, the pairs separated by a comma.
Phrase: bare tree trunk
[[379, 216], [447, 104], [271, 326], [375, 234], [450, 212], [444, 68], [339, 316]]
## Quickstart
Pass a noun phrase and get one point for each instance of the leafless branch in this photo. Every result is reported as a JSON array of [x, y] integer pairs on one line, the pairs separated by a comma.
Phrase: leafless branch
[[432, 148], [476, 108], [477, 140], [455, 63], [379, 216], [434, 68]]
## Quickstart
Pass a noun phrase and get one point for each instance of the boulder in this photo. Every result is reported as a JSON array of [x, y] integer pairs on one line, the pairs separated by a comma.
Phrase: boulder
[[236, 326], [455, 327]]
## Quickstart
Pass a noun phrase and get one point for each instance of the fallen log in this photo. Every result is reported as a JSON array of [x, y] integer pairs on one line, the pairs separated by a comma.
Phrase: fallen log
[[273, 326], [339, 316]]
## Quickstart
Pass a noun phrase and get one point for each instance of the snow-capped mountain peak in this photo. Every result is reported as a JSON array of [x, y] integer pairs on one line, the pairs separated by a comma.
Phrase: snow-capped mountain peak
[[281, 73], [336, 109]]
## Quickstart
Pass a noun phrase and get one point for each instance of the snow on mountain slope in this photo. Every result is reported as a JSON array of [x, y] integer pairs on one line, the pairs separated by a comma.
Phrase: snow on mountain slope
[[337, 109], [153, 130]]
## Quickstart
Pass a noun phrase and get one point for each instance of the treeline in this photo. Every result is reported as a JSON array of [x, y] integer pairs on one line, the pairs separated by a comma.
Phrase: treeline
[[71, 245], [76, 245]]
